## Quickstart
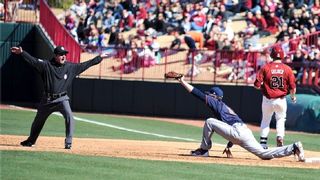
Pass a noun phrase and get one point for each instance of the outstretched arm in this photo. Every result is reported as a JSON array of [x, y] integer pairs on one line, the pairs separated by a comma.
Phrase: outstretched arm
[[85, 65], [37, 63], [185, 84], [194, 91]]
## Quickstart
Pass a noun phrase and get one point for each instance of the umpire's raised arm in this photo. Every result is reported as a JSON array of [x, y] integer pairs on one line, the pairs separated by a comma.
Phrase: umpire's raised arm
[[37, 63], [85, 65]]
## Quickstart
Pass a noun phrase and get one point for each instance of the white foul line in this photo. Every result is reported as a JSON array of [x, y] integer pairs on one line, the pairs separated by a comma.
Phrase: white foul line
[[126, 129], [121, 128]]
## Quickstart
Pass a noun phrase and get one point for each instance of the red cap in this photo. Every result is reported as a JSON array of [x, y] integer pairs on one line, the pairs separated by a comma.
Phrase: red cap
[[277, 53]]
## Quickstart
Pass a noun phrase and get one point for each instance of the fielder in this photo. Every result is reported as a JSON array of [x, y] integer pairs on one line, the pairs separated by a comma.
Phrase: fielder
[[275, 80], [229, 125]]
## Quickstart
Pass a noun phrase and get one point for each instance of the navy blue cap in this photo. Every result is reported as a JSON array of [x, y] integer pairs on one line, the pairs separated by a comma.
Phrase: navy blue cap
[[215, 91]]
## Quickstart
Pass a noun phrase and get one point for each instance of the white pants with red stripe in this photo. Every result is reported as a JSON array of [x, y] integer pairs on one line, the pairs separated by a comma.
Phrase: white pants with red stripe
[[269, 107]]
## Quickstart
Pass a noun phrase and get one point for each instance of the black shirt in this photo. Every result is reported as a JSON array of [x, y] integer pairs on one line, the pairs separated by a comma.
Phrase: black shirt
[[58, 77]]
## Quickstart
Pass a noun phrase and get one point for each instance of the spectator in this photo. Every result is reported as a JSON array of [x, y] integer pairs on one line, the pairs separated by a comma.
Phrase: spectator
[[227, 30], [133, 7], [211, 43], [117, 9], [315, 10], [316, 23], [198, 20], [285, 44], [1, 11], [90, 19], [146, 56], [298, 59], [232, 5], [284, 29], [79, 8], [81, 31], [161, 25], [261, 24], [127, 22], [150, 21], [208, 26], [141, 14], [273, 22], [108, 21], [288, 11], [130, 61], [223, 13], [93, 39], [113, 38], [185, 25], [279, 11]]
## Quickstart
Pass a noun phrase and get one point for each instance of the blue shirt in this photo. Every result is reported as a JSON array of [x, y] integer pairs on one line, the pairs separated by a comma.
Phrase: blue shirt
[[220, 110]]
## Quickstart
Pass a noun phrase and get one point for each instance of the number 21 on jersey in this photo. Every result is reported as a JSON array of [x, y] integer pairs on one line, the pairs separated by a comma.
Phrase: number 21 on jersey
[[276, 82]]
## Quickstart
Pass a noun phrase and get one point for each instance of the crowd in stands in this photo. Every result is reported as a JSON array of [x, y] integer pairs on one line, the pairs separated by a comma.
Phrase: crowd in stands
[[201, 25]]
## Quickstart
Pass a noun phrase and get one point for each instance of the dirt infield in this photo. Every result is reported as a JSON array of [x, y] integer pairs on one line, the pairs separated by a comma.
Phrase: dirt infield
[[151, 150]]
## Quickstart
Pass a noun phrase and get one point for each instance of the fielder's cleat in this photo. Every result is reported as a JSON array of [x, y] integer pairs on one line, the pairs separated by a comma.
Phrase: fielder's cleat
[[263, 142], [200, 152], [264, 146], [67, 146], [279, 141], [298, 151], [26, 143]]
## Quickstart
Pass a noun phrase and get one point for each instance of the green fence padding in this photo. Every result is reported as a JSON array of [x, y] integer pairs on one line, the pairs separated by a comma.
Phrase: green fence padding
[[305, 114], [11, 34]]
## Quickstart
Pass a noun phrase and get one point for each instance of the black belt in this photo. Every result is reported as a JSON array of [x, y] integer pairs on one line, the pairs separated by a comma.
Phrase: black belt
[[55, 96]]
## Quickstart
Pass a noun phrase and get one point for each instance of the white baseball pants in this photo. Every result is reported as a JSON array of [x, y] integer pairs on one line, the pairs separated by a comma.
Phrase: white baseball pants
[[269, 107]]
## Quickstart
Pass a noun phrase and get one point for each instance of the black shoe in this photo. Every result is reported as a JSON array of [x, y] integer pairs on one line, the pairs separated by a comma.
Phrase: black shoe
[[67, 146], [200, 152], [26, 143]]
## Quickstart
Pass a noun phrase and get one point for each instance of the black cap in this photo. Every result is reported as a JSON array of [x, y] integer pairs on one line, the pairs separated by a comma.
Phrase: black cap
[[60, 50]]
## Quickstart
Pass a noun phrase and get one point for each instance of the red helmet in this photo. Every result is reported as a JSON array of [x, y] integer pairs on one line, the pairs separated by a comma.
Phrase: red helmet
[[277, 53]]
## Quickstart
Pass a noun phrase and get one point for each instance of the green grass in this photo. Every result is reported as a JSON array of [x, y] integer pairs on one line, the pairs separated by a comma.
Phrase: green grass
[[19, 122], [48, 165], [40, 165]]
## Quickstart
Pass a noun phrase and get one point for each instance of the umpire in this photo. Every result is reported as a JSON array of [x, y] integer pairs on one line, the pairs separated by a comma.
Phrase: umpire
[[57, 75]]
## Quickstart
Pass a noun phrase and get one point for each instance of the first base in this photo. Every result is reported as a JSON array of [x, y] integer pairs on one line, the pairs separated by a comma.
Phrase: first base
[[312, 160]]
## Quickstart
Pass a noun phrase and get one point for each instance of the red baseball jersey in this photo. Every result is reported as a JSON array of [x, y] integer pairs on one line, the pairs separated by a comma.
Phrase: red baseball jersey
[[275, 80]]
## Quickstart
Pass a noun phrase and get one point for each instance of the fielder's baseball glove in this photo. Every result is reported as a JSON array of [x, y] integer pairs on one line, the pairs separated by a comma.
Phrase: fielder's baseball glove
[[173, 75]]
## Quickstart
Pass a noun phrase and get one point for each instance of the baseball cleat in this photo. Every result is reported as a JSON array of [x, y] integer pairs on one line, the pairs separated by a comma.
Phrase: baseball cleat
[[67, 146], [26, 143], [279, 141], [298, 151], [200, 152]]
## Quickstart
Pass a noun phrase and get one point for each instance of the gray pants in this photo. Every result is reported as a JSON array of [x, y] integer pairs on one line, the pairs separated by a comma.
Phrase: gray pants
[[44, 111], [240, 134]]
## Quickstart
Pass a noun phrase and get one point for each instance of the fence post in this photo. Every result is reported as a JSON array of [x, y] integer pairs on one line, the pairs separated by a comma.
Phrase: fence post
[[5, 10], [165, 61]]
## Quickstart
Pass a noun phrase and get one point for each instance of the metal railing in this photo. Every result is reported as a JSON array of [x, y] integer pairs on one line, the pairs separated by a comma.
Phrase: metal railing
[[58, 33]]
